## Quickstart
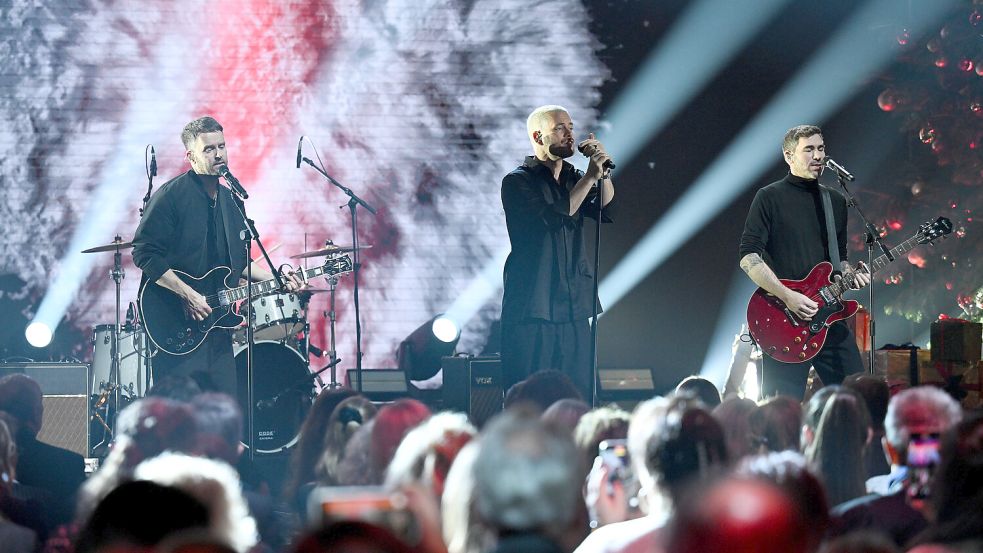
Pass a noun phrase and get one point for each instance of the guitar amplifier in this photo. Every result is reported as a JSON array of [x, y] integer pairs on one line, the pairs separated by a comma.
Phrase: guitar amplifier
[[473, 385], [65, 389]]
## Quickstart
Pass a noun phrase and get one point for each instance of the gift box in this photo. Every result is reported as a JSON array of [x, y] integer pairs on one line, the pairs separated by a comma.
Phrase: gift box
[[962, 380], [956, 340]]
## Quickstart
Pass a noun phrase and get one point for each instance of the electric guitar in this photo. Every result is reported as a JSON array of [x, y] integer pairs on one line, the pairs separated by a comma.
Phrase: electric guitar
[[787, 338], [173, 332]]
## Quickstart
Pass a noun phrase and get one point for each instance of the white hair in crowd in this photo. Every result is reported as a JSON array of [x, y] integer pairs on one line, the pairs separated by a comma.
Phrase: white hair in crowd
[[919, 406], [419, 455], [215, 485]]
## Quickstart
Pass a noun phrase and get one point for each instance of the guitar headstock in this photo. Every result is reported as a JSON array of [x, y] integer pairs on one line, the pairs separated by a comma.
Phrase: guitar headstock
[[933, 230], [337, 265]]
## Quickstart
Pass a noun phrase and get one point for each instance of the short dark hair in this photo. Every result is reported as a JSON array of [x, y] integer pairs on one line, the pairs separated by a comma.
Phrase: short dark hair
[[199, 126], [700, 388], [793, 135]]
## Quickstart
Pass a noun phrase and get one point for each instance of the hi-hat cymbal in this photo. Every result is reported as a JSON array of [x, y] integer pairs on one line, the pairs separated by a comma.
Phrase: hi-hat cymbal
[[117, 244], [328, 250]]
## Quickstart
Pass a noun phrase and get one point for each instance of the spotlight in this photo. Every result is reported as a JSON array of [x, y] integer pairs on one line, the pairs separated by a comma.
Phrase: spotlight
[[419, 354], [38, 334]]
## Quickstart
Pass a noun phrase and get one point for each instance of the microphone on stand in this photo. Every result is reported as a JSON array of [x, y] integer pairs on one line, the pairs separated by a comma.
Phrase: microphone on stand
[[588, 151], [300, 146], [838, 169], [232, 181], [153, 161]]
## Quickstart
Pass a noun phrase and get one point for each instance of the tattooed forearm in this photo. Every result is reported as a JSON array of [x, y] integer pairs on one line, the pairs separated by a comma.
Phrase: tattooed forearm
[[751, 261]]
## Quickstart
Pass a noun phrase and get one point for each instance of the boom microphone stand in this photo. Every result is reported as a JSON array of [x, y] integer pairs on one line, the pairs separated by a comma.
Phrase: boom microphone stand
[[353, 202], [248, 236], [872, 238]]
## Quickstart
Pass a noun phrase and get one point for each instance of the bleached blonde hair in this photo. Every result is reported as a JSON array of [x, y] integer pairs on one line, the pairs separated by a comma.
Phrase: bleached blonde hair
[[419, 454], [539, 119], [216, 485]]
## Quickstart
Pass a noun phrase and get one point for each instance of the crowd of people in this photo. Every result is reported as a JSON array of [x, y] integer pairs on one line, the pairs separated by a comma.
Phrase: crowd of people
[[688, 472]]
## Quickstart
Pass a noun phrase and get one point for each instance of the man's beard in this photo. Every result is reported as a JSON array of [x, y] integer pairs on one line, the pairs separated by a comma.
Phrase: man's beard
[[561, 151]]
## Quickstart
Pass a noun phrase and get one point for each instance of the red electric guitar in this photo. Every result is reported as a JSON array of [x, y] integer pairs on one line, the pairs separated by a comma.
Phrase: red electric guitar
[[789, 339]]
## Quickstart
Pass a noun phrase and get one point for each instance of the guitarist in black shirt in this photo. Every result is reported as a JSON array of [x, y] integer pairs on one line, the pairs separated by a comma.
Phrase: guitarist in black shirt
[[784, 238], [192, 225]]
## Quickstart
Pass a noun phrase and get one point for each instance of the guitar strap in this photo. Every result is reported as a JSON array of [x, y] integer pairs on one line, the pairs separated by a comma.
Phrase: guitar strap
[[831, 243]]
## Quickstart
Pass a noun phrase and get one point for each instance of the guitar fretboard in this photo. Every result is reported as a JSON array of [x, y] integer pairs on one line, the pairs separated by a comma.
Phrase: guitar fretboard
[[331, 267], [838, 288]]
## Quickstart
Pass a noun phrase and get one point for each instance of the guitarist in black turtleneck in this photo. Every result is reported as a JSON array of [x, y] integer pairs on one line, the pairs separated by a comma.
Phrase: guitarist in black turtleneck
[[192, 224], [784, 238]]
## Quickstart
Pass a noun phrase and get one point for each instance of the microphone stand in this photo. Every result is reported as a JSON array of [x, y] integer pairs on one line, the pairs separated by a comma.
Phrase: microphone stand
[[871, 238], [594, 299], [353, 202], [247, 236]]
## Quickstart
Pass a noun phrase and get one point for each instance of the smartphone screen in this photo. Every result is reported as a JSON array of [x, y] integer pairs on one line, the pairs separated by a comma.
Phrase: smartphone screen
[[923, 457], [614, 454]]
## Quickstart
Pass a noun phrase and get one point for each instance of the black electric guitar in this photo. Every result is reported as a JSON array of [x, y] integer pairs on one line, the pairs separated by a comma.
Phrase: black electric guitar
[[173, 332]]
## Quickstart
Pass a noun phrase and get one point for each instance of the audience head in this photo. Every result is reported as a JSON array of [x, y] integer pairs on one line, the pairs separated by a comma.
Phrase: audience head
[[8, 459], [835, 445], [700, 388], [215, 485], [565, 413], [542, 389], [348, 417], [463, 529], [671, 442], [777, 423], [427, 452], [120, 523], [957, 488], [920, 410], [789, 471], [352, 536], [525, 475], [737, 516], [603, 423], [860, 542], [392, 422], [21, 397], [876, 394], [178, 387], [310, 442], [734, 416], [356, 467], [218, 420]]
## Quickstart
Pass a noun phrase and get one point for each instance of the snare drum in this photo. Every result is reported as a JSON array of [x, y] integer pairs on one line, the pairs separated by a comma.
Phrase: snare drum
[[134, 348], [282, 393], [277, 317]]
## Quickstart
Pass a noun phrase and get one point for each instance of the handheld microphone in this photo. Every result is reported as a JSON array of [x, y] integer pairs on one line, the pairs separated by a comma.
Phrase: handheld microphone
[[608, 165], [232, 181], [300, 146], [838, 169], [153, 161]]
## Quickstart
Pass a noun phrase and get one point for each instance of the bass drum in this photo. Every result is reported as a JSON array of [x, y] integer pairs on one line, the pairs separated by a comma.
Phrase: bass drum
[[282, 394]]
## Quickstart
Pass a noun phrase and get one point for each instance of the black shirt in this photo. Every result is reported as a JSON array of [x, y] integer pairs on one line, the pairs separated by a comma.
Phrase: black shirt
[[181, 230], [787, 228], [548, 275]]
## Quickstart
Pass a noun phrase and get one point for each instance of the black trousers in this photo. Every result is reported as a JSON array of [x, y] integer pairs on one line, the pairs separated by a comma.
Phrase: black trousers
[[838, 358], [534, 345], [212, 365]]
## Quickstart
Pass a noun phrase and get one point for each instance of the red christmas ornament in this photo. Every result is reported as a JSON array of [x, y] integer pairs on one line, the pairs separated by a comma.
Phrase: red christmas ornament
[[966, 65], [886, 100], [904, 37], [927, 135], [975, 17], [941, 62]]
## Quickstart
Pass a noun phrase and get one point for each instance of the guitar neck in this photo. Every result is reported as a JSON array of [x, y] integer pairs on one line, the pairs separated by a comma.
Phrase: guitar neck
[[882, 261], [267, 286]]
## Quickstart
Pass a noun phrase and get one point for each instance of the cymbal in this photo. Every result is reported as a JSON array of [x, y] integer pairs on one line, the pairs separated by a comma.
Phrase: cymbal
[[328, 250], [117, 244]]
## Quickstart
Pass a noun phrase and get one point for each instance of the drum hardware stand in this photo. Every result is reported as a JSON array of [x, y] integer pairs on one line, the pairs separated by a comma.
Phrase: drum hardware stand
[[118, 274], [332, 316], [353, 202], [248, 235]]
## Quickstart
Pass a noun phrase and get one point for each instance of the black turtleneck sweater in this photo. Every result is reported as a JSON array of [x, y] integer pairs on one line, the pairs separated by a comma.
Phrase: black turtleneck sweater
[[787, 228]]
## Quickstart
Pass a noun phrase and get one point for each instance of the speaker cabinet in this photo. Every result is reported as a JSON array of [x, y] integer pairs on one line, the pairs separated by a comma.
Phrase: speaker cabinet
[[473, 385], [66, 402], [380, 384]]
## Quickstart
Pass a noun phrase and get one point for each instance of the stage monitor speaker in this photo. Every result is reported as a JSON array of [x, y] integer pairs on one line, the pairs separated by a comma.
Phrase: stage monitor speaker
[[626, 387], [473, 385], [380, 384], [65, 397]]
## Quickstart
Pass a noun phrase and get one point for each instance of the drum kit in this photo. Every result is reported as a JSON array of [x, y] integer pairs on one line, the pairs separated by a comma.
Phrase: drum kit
[[283, 383]]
